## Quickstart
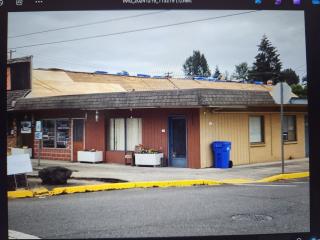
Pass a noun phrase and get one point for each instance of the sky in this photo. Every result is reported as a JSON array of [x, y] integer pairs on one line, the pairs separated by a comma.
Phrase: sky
[[225, 41]]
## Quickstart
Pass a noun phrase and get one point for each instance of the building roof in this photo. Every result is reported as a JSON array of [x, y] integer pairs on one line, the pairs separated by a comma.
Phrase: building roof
[[18, 60], [13, 96], [56, 82], [151, 99], [60, 89], [299, 101]]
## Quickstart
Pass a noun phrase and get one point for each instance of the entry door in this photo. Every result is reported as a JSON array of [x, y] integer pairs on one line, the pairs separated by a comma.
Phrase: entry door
[[177, 142], [306, 130], [78, 133]]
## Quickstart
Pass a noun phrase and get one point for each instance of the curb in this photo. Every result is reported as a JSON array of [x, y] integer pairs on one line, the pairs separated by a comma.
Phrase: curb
[[284, 177], [129, 185]]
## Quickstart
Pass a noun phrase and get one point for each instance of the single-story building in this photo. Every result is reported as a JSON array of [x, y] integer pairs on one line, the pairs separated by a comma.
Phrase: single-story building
[[178, 117]]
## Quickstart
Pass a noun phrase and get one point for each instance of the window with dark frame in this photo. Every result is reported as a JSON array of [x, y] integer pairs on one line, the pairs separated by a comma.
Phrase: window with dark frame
[[256, 129], [289, 128], [55, 133]]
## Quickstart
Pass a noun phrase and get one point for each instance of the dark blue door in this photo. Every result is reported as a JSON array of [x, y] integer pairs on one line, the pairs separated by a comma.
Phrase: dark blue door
[[177, 142]]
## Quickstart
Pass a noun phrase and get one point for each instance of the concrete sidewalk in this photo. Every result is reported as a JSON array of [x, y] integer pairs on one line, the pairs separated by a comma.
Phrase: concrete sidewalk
[[137, 174]]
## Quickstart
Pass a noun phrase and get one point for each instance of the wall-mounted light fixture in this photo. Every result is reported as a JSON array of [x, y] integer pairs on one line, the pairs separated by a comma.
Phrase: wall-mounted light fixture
[[130, 112], [97, 116], [86, 116]]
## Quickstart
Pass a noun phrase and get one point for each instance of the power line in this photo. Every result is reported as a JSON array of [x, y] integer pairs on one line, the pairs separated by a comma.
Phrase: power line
[[133, 31], [88, 24]]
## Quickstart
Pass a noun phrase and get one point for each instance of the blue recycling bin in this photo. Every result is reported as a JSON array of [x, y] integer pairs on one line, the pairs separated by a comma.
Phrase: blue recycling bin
[[221, 152]]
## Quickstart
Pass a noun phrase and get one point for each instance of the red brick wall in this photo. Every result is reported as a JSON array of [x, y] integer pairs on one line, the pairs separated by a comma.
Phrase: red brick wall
[[53, 153], [94, 134]]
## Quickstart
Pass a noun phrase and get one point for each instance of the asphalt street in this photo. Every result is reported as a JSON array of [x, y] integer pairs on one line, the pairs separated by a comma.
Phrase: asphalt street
[[279, 207]]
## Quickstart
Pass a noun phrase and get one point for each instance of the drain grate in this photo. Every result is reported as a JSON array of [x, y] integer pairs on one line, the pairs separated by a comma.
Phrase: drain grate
[[251, 217]]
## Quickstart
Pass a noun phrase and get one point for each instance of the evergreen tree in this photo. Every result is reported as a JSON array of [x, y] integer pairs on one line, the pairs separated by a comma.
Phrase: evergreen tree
[[290, 76], [267, 65], [299, 90], [196, 65], [217, 73]]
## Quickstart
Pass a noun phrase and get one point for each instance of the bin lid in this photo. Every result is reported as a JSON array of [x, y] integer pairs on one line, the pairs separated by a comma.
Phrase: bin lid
[[221, 143]]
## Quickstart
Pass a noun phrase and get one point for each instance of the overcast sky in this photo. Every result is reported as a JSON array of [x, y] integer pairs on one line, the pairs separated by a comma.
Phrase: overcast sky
[[224, 42]]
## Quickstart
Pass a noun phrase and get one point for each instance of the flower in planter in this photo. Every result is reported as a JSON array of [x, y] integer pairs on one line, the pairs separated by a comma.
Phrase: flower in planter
[[138, 148], [141, 149]]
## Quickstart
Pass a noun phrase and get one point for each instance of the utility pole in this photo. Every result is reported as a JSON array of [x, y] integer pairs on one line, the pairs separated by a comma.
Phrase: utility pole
[[281, 122], [281, 96], [168, 74], [10, 53]]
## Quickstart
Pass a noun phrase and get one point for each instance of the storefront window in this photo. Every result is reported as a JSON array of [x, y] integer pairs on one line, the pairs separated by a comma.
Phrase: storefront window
[[48, 133], [62, 130], [55, 133]]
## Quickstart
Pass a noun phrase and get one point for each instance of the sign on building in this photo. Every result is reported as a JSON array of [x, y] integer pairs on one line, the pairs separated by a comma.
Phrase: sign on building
[[26, 127], [38, 135], [38, 126]]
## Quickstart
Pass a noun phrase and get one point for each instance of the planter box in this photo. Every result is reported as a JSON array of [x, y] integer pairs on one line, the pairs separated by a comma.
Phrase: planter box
[[93, 157], [16, 151], [150, 159]]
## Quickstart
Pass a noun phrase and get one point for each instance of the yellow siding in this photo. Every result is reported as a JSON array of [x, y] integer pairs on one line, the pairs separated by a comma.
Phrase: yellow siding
[[234, 127], [291, 150], [231, 127]]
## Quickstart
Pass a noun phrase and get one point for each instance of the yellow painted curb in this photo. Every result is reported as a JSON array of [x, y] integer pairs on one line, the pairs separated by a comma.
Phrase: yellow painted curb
[[20, 194], [284, 177], [39, 191], [117, 186], [237, 181]]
